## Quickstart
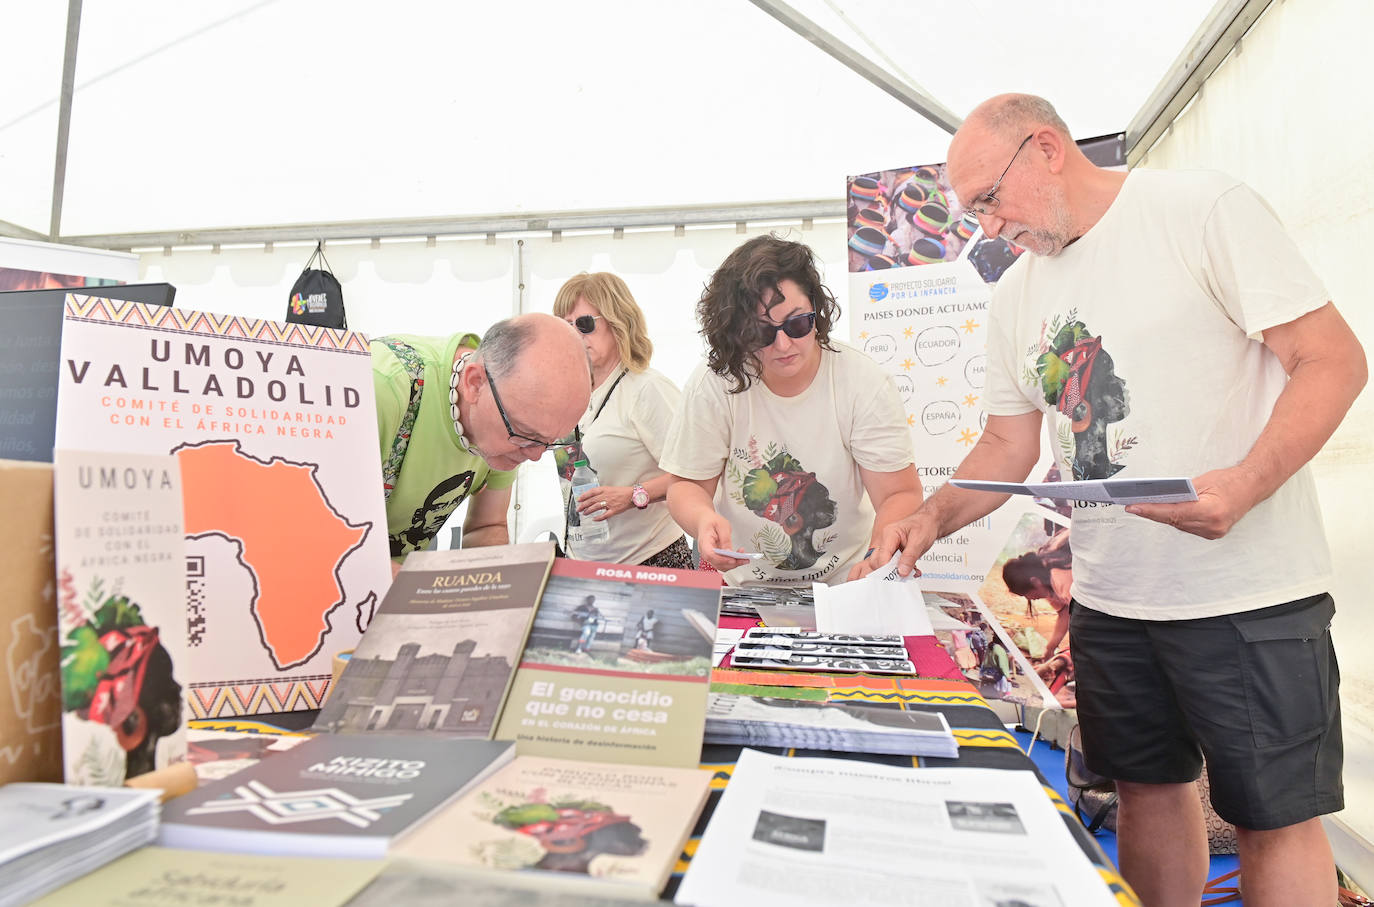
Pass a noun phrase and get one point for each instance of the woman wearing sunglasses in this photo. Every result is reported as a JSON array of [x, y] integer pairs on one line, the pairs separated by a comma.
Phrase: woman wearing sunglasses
[[790, 445], [621, 434]]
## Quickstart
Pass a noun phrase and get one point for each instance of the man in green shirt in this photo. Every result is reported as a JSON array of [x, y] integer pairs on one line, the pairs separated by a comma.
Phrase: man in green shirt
[[455, 422]]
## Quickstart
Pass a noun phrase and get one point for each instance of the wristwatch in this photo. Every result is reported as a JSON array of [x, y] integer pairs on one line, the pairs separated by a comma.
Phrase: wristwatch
[[639, 497]]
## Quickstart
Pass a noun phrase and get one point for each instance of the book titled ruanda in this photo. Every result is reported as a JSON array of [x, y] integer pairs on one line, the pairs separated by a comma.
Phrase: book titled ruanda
[[440, 652], [617, 666], [333, 795], [585, 828]]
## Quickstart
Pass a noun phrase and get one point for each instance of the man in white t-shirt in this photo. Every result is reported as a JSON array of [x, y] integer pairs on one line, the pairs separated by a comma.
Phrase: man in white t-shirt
[[1165, 324]]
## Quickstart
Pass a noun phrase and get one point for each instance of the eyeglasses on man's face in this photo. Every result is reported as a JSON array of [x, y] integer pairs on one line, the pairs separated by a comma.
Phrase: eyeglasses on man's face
[[522, 441], [796, 327], [987, 202], [585, 324]]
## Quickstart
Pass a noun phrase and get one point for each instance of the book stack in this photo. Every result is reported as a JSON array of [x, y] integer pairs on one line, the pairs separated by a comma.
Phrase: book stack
[[51, 834], [799, 650], [846, 727], [335, 795]]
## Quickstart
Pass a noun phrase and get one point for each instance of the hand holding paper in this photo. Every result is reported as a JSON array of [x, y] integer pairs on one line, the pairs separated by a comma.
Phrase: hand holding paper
[[882, 602]]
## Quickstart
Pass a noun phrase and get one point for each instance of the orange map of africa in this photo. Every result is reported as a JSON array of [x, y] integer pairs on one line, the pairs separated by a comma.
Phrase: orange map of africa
[[293, 540]]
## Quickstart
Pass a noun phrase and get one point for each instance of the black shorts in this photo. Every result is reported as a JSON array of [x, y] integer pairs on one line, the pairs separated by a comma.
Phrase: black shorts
[[1255, 692]]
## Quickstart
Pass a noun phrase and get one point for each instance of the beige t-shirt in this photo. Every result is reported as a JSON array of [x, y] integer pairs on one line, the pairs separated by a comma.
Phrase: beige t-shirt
[[1141, 342], [789, 466], [623, 445]]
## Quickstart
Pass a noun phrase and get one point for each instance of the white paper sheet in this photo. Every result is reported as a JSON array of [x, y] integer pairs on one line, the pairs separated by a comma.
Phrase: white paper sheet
[[881, 602], [809, 832]]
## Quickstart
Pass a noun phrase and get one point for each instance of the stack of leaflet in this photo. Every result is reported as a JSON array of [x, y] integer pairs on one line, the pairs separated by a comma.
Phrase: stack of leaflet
[[743, 601], [51, 834], [847, 727], [789, 648]]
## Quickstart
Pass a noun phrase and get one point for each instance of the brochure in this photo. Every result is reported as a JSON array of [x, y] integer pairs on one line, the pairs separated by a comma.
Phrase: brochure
[[814, 832]]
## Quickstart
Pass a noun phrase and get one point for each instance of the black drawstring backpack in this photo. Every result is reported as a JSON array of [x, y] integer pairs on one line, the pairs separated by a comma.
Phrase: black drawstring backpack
[[316, 297]]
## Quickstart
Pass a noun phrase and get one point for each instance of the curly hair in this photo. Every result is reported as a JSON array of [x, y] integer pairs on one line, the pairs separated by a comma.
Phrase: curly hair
[[728, 308], [609, 295]]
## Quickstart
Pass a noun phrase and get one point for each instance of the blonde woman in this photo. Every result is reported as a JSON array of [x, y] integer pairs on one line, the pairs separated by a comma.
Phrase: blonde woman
[[621, 434]]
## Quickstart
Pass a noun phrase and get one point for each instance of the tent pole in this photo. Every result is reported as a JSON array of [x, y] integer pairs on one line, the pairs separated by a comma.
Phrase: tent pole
[[1218, 35], [64, 116], [909, 95], [567, 221], [14, 231]]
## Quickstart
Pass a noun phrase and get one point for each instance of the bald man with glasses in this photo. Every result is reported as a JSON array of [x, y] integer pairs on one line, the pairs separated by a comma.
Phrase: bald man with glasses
[[1165, 324], [455, 419]]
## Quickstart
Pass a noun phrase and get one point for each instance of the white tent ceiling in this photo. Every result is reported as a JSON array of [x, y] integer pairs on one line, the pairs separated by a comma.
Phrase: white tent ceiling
[[192, 116]]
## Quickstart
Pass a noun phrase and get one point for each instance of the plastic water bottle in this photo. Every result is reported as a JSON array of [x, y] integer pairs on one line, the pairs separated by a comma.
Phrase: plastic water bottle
[[581, 527]]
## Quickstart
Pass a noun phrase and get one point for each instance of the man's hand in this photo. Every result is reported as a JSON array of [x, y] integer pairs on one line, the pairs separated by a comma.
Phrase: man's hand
[[1223, 497], [714, 532], [912, 536]]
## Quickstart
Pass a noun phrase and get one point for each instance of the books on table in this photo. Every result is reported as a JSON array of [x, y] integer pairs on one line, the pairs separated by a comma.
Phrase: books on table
[[584, 828], [335, 795], [163, 875], [51, 834], [848, 727], [442, 648], [616, 667]]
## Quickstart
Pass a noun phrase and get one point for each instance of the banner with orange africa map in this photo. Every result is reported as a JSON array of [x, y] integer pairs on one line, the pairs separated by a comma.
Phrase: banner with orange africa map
[[274, 427]]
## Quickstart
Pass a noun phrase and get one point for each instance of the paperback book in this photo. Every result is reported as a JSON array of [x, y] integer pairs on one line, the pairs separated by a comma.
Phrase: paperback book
[[162, 875], [121, 615], [440, 651], [584, 828], [805, 724], [345, 795], [617, 666]]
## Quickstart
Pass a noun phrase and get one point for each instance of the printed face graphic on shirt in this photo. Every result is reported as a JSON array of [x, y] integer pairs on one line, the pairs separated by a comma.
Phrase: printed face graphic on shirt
[[774, 485], [430, 517], [1078, 378]]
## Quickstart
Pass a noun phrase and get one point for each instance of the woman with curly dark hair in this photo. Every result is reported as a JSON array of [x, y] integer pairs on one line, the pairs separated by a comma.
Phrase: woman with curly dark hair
[[788, 442]]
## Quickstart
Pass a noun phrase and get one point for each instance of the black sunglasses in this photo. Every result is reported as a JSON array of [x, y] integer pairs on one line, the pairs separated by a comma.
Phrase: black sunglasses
[[796, 327], [515, 436], [585, 324]]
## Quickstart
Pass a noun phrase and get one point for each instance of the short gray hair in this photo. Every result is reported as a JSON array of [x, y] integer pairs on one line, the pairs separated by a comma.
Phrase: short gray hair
[[502, 344], [1015, 115]]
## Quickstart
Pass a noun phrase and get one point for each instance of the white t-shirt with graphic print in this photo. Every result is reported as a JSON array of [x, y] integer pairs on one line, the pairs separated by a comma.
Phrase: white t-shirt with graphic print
[[789, 466], [1142, 344]]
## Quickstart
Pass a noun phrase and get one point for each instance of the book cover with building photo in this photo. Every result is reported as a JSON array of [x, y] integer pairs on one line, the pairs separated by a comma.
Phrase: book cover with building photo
[[441, 649], [617, 665], [121, 611]]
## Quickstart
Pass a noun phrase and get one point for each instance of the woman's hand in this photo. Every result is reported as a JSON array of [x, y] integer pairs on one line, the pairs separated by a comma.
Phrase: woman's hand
[[605, 501], [714, 532]]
